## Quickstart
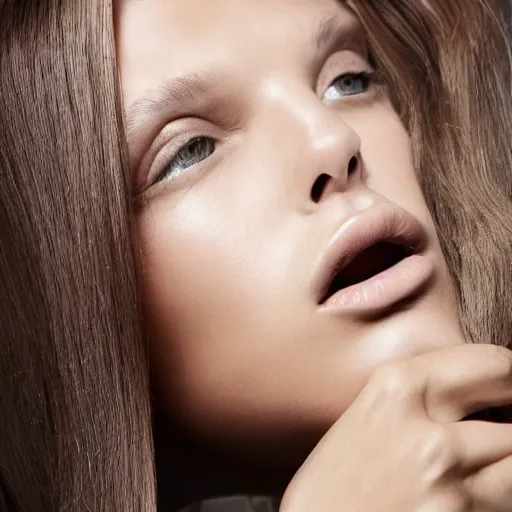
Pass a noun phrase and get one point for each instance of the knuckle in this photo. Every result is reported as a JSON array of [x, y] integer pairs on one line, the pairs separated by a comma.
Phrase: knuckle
[[462, 501], [437, 455], [501, 360], [458, 501], [396, 380], [449, 498]]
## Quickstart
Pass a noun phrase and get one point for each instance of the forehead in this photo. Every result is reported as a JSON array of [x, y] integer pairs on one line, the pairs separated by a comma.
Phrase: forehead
[[202, 18], [190, 33], [181, 58]]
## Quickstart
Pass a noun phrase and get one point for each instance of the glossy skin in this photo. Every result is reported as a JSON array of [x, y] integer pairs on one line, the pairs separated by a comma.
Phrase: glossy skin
[[241, 351]]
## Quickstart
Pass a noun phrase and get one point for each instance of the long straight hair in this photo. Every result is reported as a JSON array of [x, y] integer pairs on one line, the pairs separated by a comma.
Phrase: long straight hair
[[74, 398]]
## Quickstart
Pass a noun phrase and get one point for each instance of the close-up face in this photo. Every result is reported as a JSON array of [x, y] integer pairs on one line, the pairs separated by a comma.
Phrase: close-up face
[[285, 246]]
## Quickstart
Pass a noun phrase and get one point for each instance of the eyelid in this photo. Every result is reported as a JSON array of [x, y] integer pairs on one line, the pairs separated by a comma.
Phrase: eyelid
[[344, 62], [172, 138], [157, 170], [168, 153]]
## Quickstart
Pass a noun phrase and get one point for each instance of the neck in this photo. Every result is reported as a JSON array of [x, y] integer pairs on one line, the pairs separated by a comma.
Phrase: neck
[[188, 471]]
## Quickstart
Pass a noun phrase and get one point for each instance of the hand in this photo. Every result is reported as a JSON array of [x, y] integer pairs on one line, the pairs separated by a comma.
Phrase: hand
[[401, 447]]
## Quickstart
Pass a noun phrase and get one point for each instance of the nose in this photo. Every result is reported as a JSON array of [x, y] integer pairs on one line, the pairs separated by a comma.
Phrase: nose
[[334, 158], [331, 153], [323, 152]]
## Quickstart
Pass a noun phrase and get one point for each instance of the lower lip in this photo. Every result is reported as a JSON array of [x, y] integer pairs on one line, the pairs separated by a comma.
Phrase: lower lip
[[385, 289]]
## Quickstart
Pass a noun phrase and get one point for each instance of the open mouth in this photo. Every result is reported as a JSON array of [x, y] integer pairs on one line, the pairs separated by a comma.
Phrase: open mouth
[[367, 264], [374, 259]]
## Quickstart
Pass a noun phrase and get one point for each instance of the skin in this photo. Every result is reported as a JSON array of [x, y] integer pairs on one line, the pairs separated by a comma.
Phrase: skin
[[241, 351]]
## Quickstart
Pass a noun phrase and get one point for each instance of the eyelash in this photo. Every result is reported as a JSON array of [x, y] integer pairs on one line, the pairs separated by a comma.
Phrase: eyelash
[[369, 77], [191, 145]]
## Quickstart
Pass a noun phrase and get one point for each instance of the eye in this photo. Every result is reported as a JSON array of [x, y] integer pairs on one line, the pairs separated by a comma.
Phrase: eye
[[194, 151], [350, 84]]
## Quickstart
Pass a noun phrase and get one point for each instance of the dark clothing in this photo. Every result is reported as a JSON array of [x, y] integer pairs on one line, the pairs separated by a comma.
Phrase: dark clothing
[[235, 504]]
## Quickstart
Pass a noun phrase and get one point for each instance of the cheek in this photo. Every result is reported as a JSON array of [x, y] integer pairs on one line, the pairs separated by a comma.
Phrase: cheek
[[191, 257], [387, 152], [207, 281], [232, 338]]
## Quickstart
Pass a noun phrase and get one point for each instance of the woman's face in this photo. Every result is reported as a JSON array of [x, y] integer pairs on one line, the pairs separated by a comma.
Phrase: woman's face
[[265, 160]]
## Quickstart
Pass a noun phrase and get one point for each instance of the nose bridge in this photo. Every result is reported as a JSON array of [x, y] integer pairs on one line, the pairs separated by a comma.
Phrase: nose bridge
[[322, 126], [320, 142]]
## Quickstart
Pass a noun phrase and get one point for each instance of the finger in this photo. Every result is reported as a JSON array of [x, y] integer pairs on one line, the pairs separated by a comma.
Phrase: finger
[[464, 379], [491, 487], [480, 443]]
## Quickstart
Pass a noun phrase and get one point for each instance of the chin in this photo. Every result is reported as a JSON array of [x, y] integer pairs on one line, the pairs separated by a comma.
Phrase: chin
[[413, 329]]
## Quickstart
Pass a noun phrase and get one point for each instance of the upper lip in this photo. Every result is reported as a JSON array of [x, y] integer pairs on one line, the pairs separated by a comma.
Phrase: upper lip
[[383, 222]]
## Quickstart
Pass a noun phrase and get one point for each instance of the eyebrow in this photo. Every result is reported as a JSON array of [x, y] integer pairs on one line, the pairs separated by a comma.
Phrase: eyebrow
[[182, 92], [179, 92], [328, 33]]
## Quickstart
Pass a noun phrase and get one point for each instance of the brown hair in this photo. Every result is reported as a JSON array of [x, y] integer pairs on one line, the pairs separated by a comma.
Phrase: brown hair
[[448, 66], [74, 400], [74, 397]]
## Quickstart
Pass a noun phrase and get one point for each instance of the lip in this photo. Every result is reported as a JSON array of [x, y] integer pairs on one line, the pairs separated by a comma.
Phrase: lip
[[383, 222]]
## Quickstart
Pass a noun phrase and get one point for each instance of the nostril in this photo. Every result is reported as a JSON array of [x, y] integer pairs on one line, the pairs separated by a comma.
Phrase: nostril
[[352, 165], [319, 187]]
